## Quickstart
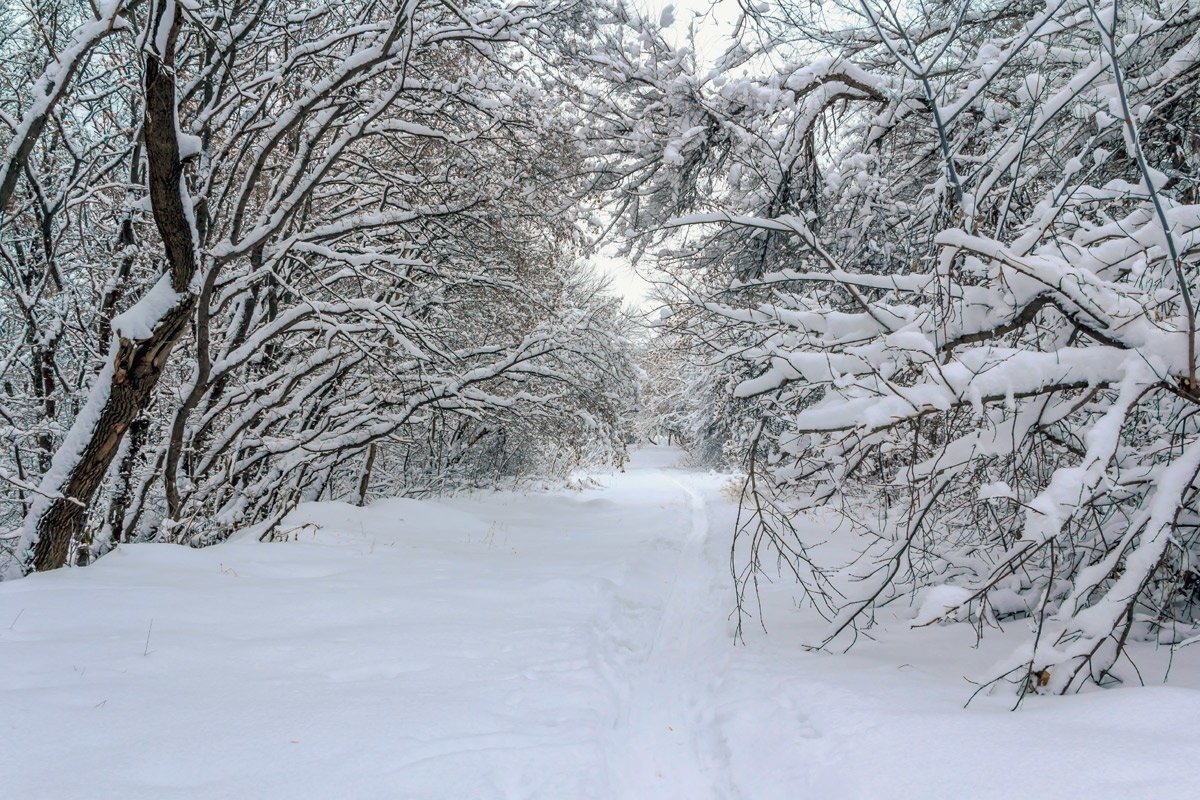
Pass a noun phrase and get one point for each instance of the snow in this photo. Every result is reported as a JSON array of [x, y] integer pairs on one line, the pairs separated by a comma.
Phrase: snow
[[139, 321], [567, 644], [163, 31], [936, 601], [189, 144]]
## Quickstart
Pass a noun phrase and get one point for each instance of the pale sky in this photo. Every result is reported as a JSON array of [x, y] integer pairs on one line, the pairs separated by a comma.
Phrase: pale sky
[[709, 34]]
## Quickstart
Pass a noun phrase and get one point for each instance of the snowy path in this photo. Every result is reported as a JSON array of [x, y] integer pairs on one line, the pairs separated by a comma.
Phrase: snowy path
[[665, 734], [559, 645]]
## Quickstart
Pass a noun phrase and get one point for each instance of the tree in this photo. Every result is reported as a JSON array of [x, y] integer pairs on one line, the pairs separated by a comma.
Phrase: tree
[[956, 246], [318, 214]]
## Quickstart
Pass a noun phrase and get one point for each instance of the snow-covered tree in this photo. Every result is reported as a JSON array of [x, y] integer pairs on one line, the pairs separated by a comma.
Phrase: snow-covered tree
[[956, 246], [256, 249]]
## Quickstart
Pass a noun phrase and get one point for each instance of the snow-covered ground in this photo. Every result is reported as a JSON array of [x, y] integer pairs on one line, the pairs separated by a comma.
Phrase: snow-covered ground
[[562, 645]]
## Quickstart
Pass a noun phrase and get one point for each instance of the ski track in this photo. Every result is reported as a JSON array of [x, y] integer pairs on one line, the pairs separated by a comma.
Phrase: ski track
[[666, 735], [560, 645]]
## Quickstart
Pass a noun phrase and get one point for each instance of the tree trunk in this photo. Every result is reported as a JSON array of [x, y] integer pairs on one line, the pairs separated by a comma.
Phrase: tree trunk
[[138, 367], [364, 480], [137, 364]]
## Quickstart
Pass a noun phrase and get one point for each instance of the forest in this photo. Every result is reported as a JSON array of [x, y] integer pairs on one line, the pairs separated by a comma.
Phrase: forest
[[922, 278]]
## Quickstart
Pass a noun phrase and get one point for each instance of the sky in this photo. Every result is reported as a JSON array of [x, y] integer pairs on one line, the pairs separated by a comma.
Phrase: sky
[[717, 17]]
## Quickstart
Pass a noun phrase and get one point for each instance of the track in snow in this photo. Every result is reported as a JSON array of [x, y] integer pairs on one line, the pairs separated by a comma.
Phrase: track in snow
[[669, 745]]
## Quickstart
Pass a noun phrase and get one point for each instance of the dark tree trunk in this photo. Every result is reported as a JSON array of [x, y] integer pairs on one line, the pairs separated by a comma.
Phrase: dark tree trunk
[[137, 364], [364, 480], [139, 367]]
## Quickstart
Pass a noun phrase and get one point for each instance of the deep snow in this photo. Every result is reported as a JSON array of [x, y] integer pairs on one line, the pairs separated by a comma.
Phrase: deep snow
[[571, 644]]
